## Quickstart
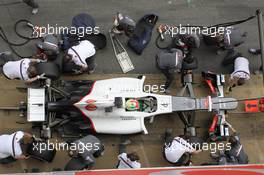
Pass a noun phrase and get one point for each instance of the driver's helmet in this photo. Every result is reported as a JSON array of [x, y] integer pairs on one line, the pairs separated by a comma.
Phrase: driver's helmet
[[132, 105]]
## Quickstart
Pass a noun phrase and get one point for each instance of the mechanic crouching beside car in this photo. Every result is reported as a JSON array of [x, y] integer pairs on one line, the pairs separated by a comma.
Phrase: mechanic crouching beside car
[[127, 160], [240, 74], [168, 62], [24, 69], [235, 154], [82, 55], [177, 150], [10, 147]]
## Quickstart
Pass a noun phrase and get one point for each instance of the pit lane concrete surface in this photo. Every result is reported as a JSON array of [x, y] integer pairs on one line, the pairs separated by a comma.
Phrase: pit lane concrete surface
[[174, 12]]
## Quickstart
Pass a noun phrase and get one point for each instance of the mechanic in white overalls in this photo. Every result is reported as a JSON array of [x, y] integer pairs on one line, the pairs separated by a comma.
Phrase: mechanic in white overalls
[[177, 150], [82, 55], [127, 160], [23, 69], [241, 72], [10, 147]]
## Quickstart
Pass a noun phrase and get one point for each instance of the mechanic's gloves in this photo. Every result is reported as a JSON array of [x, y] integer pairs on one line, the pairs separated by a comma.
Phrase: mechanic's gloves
[[77, 72], [41, 60], [42, 76], [36, 138]]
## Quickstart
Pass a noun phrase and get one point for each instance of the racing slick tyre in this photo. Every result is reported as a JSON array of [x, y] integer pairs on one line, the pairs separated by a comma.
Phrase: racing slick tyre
[[190, 65], [99, 152], [50, 69], [35, 150], [196, 142], [77, 163], [209, 40]]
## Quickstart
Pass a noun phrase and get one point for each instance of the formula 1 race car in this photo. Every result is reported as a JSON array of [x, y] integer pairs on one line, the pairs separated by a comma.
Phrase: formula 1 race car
[[112, 106]]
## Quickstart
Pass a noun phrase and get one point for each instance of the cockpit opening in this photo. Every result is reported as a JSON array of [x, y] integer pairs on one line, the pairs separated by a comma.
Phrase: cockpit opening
[[142, 104]]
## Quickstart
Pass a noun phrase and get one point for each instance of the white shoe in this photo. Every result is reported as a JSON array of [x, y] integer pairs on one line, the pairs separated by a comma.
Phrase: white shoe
[[92, 71], [126, 142], [253, 51], [256, 72], [5, 53], [167, 91], [34, 11], [214, 155], [220, 51]]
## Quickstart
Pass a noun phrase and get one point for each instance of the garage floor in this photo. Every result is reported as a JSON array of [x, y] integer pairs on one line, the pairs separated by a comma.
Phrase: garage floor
[[250, 127]]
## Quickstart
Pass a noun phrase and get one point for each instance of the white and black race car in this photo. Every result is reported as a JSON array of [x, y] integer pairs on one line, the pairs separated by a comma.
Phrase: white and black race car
[[111, 106]]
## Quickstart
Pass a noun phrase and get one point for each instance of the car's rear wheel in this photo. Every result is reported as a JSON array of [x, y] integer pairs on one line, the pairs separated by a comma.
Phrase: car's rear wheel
[[196, 142], [35, 150], [50, 69], [76, 163]]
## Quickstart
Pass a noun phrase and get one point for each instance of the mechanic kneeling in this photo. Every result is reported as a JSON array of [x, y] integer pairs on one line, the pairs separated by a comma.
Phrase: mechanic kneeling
[[23, 69], [235, 155], [241, 72], [10, 147], [178, 151], [227, 41], [237, 150], [127, 160], [168, 62], [173, 58], [49, 47], [82, 55]]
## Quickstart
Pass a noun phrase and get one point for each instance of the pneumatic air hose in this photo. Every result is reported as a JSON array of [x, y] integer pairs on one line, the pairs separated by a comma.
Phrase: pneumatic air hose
[[159, 38], [26, 39]]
